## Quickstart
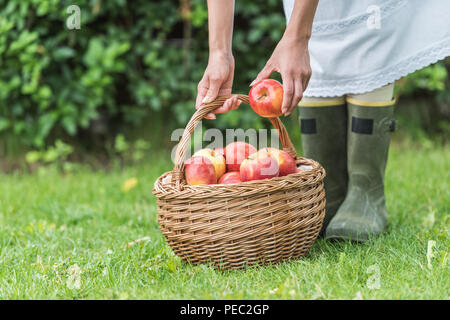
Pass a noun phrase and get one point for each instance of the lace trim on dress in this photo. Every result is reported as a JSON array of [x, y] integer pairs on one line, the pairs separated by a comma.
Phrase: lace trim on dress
[[375, 80]]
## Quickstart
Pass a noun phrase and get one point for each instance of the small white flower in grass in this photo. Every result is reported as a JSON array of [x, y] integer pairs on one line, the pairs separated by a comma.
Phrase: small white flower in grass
[[430, 253], [273, 291], [74, 279], [38, 276], [109, 251], [358, 296], [132, 243], [373, 281], [292, 292]]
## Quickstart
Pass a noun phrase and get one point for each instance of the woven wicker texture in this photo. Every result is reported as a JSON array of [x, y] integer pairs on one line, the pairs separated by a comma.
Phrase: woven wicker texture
[[237, 225]]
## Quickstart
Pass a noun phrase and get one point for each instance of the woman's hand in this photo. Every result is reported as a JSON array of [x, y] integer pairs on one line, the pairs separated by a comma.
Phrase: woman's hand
[[218, 77], [291, 56], [291, 59], [217, 81]]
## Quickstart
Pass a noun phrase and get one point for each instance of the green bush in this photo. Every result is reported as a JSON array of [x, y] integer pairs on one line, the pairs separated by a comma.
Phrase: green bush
[[127, 62], [130, 62], [424, 105]]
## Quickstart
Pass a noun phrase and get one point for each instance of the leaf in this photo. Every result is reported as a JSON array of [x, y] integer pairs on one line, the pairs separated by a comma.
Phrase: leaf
[[121, 145], [129, 184], [4, 124], [95, 53], [63, 53], [25, 38], [45, 124], [33, 156], [70, 125], [45, 92]]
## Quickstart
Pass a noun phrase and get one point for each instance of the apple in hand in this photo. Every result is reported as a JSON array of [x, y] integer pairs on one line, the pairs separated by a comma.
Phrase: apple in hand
[[236, 152], [285, 161], [258, 166], [200, 170], [266, 98], [218, 160], [230, 177]]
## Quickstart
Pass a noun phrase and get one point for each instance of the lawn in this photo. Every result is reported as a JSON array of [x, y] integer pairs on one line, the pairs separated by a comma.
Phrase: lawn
[[81, 235]]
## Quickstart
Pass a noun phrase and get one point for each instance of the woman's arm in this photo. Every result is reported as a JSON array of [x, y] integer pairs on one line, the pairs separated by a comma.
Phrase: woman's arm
[[218, 77], [291, 57]]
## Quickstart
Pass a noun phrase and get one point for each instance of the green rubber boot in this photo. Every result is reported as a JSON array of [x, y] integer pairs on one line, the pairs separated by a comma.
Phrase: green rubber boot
[[363, 213], [323, 128]]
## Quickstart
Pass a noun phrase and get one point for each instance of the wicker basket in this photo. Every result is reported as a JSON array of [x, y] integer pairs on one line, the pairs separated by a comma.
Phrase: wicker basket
[[232, 226]]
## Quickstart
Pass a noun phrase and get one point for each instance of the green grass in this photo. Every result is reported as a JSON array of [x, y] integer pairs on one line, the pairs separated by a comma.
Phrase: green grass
[[66, 236]]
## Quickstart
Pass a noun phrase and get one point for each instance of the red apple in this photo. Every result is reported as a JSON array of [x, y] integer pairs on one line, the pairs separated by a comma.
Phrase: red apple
[[285, 161], [200, 170], [258, 166], [218, 160], [266, 98], [236, 152], [230, 177]]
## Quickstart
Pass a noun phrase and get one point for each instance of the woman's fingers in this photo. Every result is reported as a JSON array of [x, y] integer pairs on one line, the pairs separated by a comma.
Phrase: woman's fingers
[[217, 81], [213, 90], [288, 92], [202, 89], [237, 104], [207, 90], [230, 104], [306, 82], [297, 96], [225, 107], [264, 74]]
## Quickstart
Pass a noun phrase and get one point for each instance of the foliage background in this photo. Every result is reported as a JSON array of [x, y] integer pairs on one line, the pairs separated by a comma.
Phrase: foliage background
[[132, 70]]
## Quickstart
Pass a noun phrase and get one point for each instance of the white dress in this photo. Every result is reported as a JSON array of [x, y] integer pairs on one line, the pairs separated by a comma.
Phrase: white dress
[[357, 46]]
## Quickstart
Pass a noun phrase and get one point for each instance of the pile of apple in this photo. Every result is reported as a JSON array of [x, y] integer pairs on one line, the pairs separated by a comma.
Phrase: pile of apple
[[240, 161], [237, 162]]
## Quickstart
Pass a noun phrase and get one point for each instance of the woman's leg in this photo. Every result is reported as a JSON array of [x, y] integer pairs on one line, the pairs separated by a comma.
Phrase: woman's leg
[[370, 122], [323, 125]]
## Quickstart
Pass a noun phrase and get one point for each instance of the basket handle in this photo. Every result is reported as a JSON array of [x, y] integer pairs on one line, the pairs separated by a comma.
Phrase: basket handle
[[180, 154]]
